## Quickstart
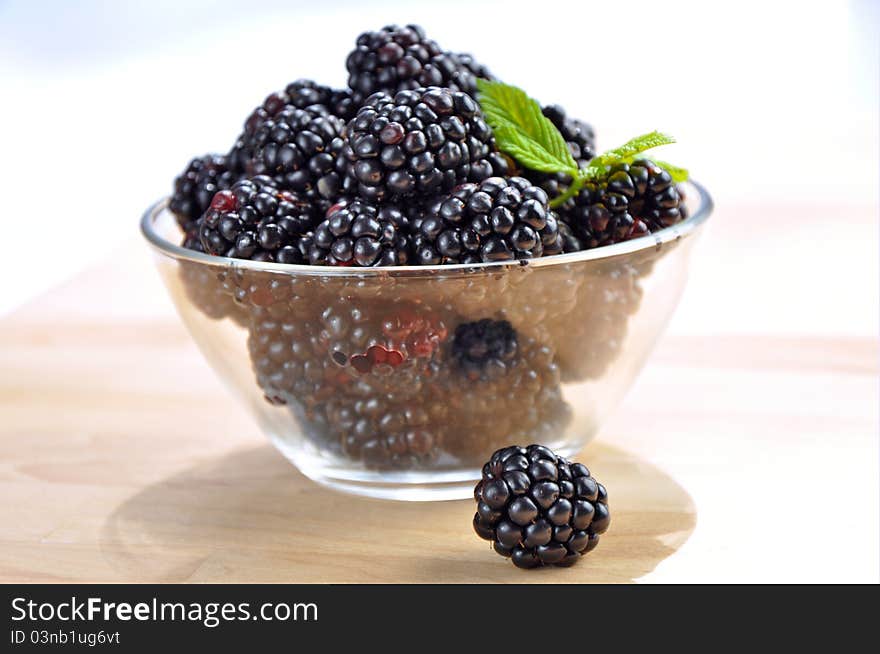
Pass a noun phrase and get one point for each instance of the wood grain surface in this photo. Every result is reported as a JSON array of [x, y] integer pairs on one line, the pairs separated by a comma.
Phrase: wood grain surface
[[741, 454]]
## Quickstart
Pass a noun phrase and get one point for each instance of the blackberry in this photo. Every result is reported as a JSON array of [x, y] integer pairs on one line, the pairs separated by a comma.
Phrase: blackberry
[[522, 399], [484, 347], [298, 149], [402, 58], [195, 187], [591, 336], [205, 289], [581, 141], [191, 240], [362, 379], [365, 335], [539, 509], [631, 200], [324, 111], [305, 93], [358, 233], [254, 220], [496, 220], [282, 354], [392, 414], [422, 141], [389, 431]]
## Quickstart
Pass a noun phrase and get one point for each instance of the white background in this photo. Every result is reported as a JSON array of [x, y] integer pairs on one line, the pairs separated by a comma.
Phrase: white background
[[104, 102]]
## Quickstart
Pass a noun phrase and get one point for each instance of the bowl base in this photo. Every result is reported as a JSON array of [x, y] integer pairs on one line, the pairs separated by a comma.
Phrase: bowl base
[[412, 486]]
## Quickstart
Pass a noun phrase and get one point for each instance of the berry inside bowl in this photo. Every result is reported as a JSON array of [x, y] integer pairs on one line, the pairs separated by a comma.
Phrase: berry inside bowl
[[399, 382]]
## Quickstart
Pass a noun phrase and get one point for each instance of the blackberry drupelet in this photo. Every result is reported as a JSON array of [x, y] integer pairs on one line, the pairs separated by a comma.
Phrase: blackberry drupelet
[[538, 508], [402, 58], [499, 219], [581, 142], [419, 142], [484, 347], [359, 233], [631, 200], [254, 220], [195, 187]]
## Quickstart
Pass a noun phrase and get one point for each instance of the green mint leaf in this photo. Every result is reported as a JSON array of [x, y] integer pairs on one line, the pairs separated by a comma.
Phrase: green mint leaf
[[522, 130], [632, 148], [629, 152], [677, 174]]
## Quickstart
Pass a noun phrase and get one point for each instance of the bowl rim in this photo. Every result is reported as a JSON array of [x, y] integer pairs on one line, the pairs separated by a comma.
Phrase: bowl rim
[[653, 240]]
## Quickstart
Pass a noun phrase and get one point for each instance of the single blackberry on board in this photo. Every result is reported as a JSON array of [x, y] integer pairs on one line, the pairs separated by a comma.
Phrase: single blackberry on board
[[194, 189], [359, 233], [419, 142], [631, 200], [581, 141], [499, 219], [538, 508], [254, 220], [402, 58]]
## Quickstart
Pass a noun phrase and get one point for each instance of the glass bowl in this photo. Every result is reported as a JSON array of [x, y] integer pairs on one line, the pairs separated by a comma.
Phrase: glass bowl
[[352, 374]]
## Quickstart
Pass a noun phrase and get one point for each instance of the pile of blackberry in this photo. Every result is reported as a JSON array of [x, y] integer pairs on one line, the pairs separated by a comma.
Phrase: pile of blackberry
[[407, 144], [408, 132], [402, 168]]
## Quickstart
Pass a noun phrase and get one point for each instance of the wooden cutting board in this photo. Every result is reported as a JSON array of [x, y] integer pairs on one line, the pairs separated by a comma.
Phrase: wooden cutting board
[[122, 458]]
